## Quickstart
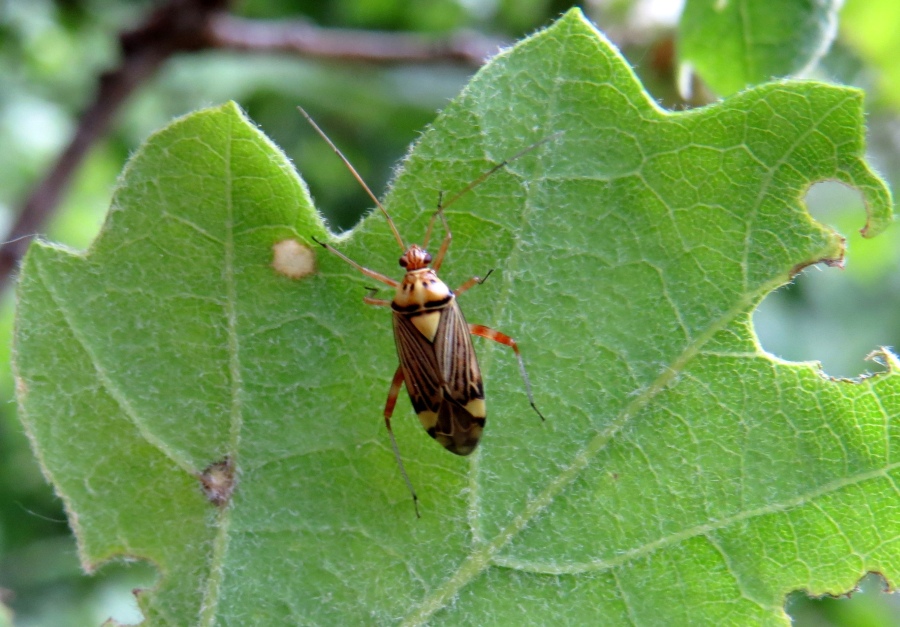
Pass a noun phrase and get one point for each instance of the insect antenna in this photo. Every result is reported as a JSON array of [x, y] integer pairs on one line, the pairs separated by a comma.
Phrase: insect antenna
[[481, 179], [356, 176]]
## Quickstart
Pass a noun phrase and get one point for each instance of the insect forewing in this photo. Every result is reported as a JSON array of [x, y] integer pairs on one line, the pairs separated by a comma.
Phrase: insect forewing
[[443, 378]]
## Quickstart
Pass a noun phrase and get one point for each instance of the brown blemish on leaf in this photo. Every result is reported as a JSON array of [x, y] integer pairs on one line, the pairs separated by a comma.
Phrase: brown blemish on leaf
[[293, 259], [886, 357], [831, 262], [883, 356], [886, 587], [218, 482]]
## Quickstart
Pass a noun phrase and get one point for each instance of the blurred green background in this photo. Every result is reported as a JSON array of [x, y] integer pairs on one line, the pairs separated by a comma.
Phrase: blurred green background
[[51, 54]]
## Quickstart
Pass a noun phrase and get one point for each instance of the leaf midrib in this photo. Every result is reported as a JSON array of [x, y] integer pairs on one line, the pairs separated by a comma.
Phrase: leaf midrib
[[210, 604]]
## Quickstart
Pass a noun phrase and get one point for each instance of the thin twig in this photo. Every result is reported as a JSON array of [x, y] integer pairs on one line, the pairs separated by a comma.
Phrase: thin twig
[[307, 40]]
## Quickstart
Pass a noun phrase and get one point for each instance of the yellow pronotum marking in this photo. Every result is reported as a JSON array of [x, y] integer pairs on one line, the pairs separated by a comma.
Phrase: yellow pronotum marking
[[419, 288]]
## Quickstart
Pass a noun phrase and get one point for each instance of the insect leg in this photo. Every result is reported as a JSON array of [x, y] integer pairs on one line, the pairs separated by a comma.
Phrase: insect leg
[[370, 299], [477, 329], [388, 412], [472, 283], [369, 273]]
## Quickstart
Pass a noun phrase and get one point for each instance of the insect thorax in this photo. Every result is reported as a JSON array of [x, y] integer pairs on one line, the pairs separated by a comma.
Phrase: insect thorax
[[421, 291]]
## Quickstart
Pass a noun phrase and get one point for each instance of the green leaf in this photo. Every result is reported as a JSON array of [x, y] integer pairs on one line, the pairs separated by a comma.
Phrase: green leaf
[[681, 471], [733, 44]]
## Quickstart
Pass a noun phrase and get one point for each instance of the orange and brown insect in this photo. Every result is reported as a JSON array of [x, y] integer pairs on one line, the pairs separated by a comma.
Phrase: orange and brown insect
[[434, 345]]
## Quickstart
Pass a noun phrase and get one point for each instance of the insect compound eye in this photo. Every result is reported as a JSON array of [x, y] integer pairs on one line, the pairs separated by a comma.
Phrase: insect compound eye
[[403, 261], [427, 257]]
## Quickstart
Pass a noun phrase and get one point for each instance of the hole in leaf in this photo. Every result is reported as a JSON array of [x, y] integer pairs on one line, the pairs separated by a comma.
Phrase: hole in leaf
[[115, 599], [868, 604], [831, 315]]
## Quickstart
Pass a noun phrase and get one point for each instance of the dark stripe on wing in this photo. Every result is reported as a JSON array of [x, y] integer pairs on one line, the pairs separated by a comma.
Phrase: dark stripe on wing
[[456, 357], [420, 368]]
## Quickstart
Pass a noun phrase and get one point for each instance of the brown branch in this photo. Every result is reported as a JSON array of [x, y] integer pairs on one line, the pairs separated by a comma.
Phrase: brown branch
[[191, 25], [171, 28], [308, 40]]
